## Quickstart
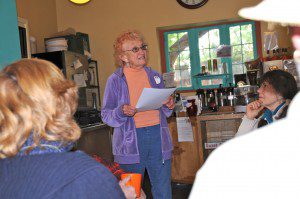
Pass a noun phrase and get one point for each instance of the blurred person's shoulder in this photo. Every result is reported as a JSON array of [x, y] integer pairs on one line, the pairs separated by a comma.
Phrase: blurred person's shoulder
[[58, 175], [294, 107], [263, 163]]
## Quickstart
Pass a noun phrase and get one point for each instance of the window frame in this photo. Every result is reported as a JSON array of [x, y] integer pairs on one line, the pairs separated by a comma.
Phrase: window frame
[[195, 59]]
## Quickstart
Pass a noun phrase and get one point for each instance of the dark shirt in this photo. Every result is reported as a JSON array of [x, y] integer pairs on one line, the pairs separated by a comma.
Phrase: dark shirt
[[56, 175]]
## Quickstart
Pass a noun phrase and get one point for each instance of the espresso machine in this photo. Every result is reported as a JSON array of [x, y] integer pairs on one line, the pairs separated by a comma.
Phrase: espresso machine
[[243, 95], [254, 71]]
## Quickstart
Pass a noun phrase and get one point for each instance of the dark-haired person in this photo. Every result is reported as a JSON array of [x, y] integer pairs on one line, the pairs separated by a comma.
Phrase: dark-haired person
[[264, 163], [277, 89]]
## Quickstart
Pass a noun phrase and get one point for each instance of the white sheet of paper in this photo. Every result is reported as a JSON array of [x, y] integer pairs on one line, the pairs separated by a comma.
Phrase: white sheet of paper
[[79, 80], [184, 129], [153, 98], [77, 64]]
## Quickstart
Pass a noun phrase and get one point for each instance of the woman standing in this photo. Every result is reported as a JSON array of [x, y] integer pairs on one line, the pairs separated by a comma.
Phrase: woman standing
[[277, 89], [141, 140]]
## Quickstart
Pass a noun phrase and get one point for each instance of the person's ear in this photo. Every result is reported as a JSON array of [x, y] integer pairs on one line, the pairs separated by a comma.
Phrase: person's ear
[[123, 57], [279, 97]]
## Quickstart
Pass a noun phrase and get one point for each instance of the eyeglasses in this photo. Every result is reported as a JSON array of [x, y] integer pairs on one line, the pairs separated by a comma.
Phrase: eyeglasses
[[137, 49]]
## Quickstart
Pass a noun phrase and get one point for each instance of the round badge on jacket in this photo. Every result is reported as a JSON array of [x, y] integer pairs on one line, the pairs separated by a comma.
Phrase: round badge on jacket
[[157, 79]]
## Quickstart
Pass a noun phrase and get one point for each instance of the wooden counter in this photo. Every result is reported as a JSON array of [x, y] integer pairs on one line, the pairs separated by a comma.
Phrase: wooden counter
[[217, 128], [96, 140], [188, 157]]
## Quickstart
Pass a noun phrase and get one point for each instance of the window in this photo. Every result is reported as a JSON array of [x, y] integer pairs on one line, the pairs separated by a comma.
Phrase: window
[[188, 52]]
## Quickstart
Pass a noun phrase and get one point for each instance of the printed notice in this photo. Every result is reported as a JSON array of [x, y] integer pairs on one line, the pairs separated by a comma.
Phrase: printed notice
[[79, 80], [184, 129], [153, 98]]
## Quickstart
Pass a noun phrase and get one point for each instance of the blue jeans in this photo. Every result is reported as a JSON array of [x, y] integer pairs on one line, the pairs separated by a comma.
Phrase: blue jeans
[[159, 171]]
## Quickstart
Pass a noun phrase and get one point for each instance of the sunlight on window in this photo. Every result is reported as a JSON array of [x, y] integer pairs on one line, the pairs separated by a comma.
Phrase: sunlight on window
[[241, 40], [179, 56], [208, 41], [190, 51]]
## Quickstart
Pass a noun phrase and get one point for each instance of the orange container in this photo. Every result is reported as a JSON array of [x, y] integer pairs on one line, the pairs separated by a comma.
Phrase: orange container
[[135, 181]]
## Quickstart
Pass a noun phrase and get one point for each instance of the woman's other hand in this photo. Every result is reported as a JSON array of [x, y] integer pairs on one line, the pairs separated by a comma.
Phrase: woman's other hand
[[129, 110], [169, 102], [143, 195], [129, 191], [253, 109]]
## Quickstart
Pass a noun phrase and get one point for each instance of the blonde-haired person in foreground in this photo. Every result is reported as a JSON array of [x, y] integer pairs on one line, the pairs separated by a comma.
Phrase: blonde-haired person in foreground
[[36, 133], [266, 162]]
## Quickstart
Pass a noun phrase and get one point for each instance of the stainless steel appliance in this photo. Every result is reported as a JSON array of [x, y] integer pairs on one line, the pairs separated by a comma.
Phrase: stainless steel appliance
[[243, 95]]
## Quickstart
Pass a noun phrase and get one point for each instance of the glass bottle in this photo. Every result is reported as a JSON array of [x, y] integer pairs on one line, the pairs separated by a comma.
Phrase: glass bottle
[[215, 66], [284, 54], [209, 69], [191, 108], [268, 57], [203, 69], [274, 57], [279, 55]]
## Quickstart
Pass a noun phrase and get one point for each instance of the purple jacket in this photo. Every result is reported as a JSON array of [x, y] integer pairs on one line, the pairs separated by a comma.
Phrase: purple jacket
[[116, 94]]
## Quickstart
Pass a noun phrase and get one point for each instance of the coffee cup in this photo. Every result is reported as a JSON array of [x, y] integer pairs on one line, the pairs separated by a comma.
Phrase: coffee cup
[[135, 181]]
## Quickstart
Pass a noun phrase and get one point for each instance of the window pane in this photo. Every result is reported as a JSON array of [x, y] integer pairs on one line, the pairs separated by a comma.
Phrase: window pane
[[204, 55], [184, 60], [235, 36], [237, 54], [183, 41], [177, 78], [184, 72], [247, 34], [186, 78], [248, 52], [214, 38], [238, 69], [213, 53], [174, 63], [179, 54], [203, 39], [173, 45]]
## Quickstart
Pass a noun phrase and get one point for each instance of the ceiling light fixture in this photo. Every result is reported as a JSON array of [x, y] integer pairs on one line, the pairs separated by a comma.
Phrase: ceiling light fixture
[[79, 1]]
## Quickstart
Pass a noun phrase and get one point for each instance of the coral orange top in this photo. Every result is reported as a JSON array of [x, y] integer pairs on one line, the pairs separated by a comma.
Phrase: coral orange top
[[137, 80]]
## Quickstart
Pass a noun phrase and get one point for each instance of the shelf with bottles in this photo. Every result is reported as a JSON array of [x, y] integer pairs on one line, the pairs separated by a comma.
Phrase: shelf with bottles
[[278, 54], [212, 68], [281, 59]]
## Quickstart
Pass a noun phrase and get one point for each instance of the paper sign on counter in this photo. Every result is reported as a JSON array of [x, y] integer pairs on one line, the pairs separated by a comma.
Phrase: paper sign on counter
[[153, 98], [184, 129]]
